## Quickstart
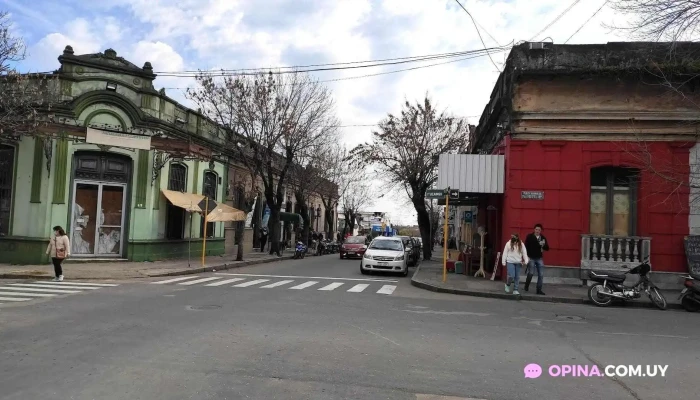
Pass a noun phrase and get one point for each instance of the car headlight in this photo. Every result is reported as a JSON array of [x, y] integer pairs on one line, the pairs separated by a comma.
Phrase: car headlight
[[399, 258], [367, 256], [364, 247]]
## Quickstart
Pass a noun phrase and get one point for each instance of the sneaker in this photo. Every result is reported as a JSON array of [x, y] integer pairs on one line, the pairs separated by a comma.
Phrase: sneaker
[[541, 293], [60, 278], [507, 288], [55, 279], [515, 292]]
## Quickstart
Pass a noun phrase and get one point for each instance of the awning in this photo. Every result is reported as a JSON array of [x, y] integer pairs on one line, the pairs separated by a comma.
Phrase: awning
[[291, 217], [190, 202], [222, 213]]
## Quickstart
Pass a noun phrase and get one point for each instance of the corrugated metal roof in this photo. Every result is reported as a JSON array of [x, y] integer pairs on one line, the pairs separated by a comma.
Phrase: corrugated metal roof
[[472, 173]]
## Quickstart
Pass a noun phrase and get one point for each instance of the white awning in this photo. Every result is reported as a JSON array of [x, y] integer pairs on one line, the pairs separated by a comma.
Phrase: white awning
[[472, 173]]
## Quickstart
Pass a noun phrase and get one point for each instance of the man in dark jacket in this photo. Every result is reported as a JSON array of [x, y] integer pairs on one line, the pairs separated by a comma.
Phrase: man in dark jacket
[[535, 244]]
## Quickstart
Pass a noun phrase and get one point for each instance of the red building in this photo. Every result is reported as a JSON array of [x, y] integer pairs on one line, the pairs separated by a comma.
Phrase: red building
[[597, 149]]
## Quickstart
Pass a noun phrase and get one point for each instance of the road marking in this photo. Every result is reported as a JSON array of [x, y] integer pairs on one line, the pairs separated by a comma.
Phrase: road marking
[[332, 286], [448, 312], [251, 283], [642, 334], [304, 285], [375, 334], [312, 277], [182, 278], [36, 285], [386, 289], [538, 322], [221, 283], [438, 397], [27, 294], [358, 288], [199, 281], [38, 290], [13, 299], [82, 284], [272, 285]]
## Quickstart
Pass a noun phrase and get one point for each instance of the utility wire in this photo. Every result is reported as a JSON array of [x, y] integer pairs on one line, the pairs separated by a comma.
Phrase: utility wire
[[479, 33], [587, 21], [555, 20]]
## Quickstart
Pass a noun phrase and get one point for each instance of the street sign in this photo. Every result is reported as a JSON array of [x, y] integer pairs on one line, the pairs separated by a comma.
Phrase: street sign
[[454, 194], [435, 194]]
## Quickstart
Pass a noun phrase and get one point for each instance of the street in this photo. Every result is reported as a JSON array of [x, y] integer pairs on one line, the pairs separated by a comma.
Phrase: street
[[266, 332]]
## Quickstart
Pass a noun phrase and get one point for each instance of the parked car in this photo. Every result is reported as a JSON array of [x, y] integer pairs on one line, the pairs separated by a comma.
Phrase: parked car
[[414, 255], [354, 246], [386, 254]]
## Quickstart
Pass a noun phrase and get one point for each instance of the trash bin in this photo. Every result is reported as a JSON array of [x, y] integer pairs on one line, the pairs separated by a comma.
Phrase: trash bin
[[459, 267]]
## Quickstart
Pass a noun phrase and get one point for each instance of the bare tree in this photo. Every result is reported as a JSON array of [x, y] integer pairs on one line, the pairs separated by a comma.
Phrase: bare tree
[[673, 20], [355, 196], [267, 119], [23, 97], [406, 150]]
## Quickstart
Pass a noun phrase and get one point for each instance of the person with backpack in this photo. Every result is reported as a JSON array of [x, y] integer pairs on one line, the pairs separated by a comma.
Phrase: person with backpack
[[58, 250]]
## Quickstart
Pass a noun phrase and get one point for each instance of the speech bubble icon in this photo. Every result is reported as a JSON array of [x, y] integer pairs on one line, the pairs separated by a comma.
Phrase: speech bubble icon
[[533, 371]]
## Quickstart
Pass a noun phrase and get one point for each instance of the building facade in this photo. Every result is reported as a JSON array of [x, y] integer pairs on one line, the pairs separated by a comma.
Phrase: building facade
[[596, 149]]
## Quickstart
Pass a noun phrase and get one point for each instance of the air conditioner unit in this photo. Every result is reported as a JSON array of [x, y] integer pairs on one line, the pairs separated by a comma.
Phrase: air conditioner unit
[[537, 45]]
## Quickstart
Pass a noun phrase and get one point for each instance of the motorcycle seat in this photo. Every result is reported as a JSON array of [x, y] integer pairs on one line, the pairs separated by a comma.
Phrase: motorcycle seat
[[611, 276]]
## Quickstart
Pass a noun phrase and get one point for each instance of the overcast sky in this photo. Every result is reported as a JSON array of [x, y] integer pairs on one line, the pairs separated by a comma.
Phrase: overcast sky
[[177, 35]]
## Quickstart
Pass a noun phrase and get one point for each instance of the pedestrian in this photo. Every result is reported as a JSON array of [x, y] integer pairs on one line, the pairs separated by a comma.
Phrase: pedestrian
[[535, 244], [263, 238], [514, 255], [58, 250]]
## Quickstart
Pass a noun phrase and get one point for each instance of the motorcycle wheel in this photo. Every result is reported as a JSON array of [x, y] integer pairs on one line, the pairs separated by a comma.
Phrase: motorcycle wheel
[[657, 298], [689, 304], [596, 298]]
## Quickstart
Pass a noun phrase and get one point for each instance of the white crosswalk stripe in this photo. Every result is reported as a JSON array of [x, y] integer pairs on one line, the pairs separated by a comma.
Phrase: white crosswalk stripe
[[376, 286], [42, 290]]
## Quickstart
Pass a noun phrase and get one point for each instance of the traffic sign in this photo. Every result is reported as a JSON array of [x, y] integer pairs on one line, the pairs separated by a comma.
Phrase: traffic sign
[[435, 194], [454, 194]]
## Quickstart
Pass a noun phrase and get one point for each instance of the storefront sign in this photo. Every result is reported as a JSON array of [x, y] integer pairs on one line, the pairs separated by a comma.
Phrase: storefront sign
[[532, 195], [117, 139]]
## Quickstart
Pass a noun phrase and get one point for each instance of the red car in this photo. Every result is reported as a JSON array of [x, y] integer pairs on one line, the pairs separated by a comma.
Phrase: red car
[[354, 246]]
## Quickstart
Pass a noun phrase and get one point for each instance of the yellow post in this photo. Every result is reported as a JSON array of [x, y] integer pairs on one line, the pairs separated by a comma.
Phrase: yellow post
[[204, 239], [444, 248]]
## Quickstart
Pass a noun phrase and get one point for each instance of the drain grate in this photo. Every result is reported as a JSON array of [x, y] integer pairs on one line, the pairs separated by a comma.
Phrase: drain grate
[[206, 307], [569, 317]]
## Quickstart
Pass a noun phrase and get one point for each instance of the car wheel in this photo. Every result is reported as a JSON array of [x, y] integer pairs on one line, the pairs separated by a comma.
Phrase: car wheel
[[363, 271], [405, 271], [341, 257]]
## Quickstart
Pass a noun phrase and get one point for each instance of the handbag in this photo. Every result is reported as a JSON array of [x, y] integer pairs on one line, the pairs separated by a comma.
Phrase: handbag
[[60, 253]]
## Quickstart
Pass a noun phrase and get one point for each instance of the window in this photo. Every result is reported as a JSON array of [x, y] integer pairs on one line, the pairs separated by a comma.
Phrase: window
[[175, 216], [7, 165], [209, 189], [613, 201]]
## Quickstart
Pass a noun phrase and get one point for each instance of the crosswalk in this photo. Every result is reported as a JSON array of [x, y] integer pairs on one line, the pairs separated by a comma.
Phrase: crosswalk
[[14, 293], [323, 284]]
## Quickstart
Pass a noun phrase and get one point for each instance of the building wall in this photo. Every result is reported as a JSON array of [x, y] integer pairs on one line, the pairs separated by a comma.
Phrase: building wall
[[562, 170]]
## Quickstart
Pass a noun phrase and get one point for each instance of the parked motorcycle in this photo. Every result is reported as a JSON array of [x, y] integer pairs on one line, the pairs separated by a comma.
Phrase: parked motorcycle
[[299, 250], [321, 248], [610, 286], [690, 295]]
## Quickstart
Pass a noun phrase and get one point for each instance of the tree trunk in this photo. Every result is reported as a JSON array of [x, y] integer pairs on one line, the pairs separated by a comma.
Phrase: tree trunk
[[240, 228], [424, 226], [273, 226], [329, 223]]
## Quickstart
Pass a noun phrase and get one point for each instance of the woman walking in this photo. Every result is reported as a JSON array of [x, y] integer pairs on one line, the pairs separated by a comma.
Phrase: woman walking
[[58, 250], [514, 255]]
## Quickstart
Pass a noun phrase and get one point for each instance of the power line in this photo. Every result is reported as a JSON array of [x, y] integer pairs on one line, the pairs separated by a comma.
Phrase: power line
[[555, 20], [479, 33], [587, 21]]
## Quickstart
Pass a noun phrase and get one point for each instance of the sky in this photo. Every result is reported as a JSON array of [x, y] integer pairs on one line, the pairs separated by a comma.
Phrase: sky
[[185, 35]]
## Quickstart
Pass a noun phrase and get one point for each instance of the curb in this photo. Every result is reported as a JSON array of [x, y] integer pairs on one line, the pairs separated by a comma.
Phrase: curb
[[222, 267], [527, 297]]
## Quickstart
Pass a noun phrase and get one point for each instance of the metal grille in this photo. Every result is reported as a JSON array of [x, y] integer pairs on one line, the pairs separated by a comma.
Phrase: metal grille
[[7, 161], [383, 258], [177, 180]]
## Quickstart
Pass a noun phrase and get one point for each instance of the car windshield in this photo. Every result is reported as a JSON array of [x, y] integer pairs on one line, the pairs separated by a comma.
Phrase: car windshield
[[355, 240], [386, 245]]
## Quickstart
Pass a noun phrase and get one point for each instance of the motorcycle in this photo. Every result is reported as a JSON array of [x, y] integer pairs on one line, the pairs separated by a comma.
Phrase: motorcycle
[[299, 250], [321, 248], [690, 295], [610, 286]]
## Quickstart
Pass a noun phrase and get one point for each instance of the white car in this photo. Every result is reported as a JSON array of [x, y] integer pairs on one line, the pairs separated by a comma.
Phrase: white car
[[385, 254]]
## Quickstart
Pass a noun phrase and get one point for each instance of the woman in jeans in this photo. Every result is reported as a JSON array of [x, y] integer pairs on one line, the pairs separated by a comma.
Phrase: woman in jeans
[[514, 255], [58, 250]]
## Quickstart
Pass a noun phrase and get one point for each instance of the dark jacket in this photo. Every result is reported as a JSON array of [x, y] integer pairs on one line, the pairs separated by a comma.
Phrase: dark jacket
[[534, 250]]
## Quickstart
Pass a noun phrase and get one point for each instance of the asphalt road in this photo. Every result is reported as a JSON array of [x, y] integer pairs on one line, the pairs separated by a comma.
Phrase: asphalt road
[[346, 336]]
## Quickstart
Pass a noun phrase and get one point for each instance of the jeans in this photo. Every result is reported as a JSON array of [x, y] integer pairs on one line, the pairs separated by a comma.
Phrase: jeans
[[514, 274], [57, 266], [538, 264]]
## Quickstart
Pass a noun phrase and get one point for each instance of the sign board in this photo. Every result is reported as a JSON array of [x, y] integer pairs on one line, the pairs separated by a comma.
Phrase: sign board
[[454, 194], [461, 202], [532, 195], [468, 216], [435, 194], [692, 254], [117, 139], [208, 206]]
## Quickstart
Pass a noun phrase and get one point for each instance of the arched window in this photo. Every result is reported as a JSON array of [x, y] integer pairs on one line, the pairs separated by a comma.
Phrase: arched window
[[175, 216], [7, 166], [209, 189], [613, 203]]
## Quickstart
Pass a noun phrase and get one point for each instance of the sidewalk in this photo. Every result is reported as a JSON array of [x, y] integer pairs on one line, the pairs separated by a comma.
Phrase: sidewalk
[[130, 270], [429, 276]]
